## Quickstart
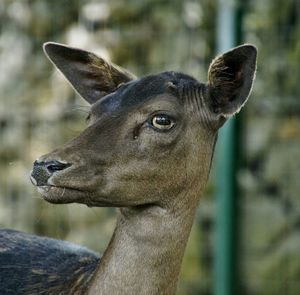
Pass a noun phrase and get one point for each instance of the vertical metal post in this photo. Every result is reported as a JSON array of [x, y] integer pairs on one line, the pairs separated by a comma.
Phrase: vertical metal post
[[225, 280]]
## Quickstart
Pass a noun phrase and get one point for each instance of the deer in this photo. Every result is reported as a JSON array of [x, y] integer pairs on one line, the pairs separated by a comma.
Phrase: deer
[[147, 150]]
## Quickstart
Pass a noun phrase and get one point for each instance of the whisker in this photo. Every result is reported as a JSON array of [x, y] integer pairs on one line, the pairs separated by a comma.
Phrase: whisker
[[77, 110], [80, 107], [63, 192]]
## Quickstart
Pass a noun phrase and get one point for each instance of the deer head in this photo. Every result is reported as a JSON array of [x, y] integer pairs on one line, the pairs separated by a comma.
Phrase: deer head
[[148, 139]]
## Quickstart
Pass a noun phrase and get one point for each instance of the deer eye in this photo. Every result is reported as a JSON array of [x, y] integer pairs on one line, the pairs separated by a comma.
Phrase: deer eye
[[162, 122]]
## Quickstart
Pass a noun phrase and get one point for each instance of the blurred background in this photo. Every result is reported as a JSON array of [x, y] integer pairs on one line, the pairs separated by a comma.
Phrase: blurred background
[[39, 111]]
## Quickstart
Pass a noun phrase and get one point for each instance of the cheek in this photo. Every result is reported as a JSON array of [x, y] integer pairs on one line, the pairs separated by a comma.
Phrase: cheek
[[144, 176], [155, 149]]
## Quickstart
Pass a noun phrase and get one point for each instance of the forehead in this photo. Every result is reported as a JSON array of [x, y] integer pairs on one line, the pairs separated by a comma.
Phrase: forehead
[[138, 92]]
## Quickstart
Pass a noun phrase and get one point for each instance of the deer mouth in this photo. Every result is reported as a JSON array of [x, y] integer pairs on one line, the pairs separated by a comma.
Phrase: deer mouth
[[65, 195], [62, 195]]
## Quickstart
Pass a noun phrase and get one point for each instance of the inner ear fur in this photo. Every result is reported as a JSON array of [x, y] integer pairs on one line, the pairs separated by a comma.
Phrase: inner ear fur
[[91, 76], [230, 79]]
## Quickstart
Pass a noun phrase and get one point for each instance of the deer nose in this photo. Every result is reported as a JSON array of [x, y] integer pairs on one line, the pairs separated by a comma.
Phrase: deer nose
[[43, 170]]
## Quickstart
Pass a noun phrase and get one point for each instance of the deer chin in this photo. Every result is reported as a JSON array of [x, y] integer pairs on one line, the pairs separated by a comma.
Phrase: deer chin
[[62, 195], [65, 195]]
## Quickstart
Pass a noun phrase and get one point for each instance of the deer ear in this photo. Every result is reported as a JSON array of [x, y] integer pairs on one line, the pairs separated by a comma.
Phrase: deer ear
[[230, 79], [90, 75]]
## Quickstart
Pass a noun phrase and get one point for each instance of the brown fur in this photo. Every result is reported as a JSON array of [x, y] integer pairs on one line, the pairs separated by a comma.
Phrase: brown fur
[[155, 175]]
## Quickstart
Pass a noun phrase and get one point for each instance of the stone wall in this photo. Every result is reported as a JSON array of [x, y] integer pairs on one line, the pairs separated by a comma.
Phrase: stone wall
[[270, 203], [39, 111]]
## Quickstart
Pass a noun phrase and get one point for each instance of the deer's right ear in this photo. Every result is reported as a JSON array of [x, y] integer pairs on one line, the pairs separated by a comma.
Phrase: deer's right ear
[[90, 75], [230, 79]]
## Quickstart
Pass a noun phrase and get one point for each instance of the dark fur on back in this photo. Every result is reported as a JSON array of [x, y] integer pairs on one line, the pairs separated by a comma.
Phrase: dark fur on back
[[23, 259]]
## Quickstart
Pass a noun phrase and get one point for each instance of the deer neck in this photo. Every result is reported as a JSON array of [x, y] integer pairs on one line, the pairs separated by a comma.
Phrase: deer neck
[[145, 253]]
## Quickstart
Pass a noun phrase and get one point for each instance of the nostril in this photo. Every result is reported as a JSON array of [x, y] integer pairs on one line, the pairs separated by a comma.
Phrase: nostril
[[37, 163], [55, 165]]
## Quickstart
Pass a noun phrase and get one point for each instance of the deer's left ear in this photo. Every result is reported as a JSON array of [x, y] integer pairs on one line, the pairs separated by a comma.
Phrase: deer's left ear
[[230, 79], [90, 75]]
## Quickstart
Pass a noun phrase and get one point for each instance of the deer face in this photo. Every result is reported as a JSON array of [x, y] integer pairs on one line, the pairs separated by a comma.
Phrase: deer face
[[147, 139]]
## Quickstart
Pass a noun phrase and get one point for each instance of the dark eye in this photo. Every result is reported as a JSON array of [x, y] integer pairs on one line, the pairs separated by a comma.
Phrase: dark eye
[[162, 122]]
